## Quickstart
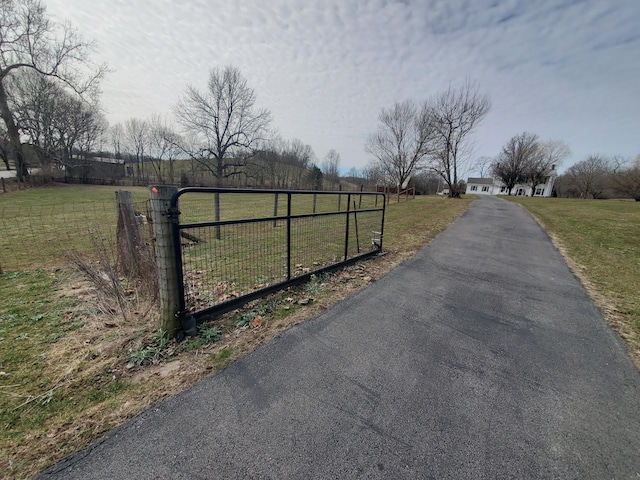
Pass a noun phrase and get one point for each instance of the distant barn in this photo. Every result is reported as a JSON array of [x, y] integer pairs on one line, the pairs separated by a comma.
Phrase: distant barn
[[95, 170]]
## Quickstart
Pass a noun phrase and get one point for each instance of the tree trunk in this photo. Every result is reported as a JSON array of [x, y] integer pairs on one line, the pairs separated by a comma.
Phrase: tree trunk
[[5, 159], [14, 135]]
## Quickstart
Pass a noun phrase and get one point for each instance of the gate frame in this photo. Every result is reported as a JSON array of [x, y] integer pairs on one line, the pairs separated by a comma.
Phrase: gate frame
[[189, 320]]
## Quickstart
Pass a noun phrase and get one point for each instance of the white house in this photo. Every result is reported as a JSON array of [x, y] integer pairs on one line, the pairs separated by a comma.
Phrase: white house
[[482, 186], [494, 186]]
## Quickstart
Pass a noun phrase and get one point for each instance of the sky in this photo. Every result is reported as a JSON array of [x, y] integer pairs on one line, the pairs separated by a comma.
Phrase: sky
[[564, 70]]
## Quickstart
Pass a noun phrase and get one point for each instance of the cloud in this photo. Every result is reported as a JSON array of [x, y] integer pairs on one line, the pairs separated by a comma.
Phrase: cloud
[[563, 69]]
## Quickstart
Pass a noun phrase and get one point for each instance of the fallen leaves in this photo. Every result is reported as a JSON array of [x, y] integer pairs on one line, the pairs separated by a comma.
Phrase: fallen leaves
[[257, 322]]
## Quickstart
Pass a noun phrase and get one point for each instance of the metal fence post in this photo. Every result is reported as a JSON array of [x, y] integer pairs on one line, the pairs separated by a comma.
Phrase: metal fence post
[[289, 236], [165, 254], [275, 209], [346, 230]]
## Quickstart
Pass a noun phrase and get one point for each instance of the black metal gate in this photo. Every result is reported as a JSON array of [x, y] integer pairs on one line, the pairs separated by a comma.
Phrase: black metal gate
[[233, 246]]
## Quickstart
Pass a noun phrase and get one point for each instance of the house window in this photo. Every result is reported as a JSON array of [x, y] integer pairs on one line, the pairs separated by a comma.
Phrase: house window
[[540, 191], [485, 189], [503, 189], [474, 188]]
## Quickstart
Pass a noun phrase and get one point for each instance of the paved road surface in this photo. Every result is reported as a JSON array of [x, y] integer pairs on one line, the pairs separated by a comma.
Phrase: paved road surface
[[482, 357]]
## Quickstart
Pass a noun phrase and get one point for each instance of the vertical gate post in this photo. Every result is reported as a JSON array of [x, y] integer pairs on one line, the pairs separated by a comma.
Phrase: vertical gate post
[[289, 236], [275, 209], [346, 235], [165, 255]]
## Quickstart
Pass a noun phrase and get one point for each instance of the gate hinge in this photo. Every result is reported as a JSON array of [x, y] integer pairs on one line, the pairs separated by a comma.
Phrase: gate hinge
[[188, 324], [174, 214]]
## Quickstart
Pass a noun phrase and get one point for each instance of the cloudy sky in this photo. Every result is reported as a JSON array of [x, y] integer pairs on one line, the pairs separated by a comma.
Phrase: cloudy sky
[[563, 69]]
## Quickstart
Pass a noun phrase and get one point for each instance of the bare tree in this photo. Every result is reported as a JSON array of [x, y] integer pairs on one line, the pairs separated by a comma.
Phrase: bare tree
[[276, 163], [30, 40], [400, 144], [513, 163], [591, 176], [136, 132], [303, 156], [282, 163], [330, 167], [225, 122], [164, 146], [92, 134], [116, 137], [226, 126], [453, 115], [483, 166], [55, 120], [427, 183], [373, 175], [35, 102], [544, 162], [81, 124], [628, 179]]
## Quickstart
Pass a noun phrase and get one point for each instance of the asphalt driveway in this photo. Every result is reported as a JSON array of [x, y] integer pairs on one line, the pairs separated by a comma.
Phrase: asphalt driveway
[[482, 357]]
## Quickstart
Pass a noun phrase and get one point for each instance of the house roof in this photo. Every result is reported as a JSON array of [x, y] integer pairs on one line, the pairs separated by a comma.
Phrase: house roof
[[481, 181]]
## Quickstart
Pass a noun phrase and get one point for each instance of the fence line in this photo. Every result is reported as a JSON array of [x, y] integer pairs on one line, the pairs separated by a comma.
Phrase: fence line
[[35, 236]]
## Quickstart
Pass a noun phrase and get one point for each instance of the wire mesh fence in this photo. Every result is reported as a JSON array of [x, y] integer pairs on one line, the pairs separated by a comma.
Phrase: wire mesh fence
[[36, 236], [233, 244]]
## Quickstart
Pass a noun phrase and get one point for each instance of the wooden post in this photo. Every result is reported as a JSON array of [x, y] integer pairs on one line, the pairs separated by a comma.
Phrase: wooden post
[[135, 257], [165, 255], [129, 240]]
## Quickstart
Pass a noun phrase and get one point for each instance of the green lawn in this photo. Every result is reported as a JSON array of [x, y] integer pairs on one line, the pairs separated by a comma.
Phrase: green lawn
[[603, 238], [40, 226]]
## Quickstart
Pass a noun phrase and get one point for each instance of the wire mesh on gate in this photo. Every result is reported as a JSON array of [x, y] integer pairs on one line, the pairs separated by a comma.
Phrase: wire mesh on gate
[[262, 239]]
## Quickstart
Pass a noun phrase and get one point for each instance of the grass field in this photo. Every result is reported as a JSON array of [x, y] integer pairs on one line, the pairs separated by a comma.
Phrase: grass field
[[602, 238], [71, 370], [39, 226]]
